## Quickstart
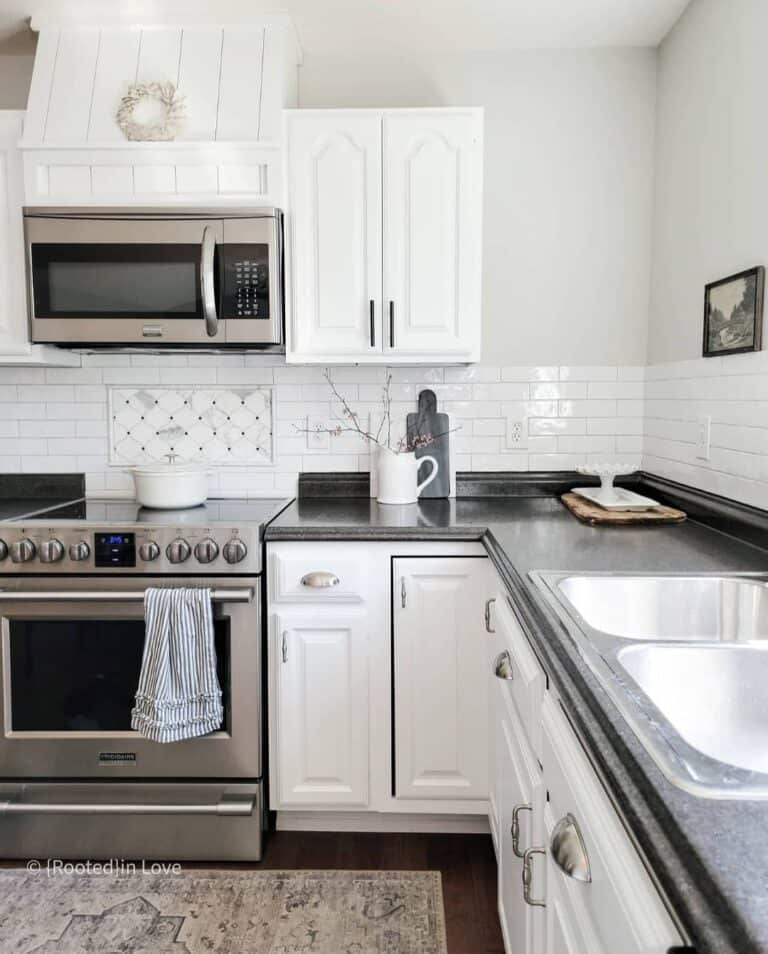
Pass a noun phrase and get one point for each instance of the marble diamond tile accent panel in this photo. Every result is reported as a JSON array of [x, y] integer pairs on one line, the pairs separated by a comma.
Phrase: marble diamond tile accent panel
[[205, 425]]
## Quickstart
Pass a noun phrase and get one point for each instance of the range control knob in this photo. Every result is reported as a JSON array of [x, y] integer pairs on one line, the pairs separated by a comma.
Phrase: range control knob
[[149, 551], [234, 550], [206, 551], [178, 550], [23, 551], [3, 549], [51, 551], [79, 551]]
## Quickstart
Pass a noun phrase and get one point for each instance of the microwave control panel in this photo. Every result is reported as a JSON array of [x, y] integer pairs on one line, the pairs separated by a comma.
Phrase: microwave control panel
[[244, 273]]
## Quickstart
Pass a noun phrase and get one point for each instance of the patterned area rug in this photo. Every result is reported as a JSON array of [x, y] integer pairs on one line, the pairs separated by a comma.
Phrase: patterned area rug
[[226, 912]]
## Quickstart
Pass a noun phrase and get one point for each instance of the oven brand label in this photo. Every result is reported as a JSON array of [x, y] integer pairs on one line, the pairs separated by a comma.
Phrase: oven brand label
[[111, 758]]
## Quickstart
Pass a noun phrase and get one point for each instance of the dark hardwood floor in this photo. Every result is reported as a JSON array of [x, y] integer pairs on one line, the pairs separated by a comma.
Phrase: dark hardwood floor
[[466, 863]]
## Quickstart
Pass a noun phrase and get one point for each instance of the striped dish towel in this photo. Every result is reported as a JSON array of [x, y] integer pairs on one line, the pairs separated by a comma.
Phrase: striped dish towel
[[179, 696]]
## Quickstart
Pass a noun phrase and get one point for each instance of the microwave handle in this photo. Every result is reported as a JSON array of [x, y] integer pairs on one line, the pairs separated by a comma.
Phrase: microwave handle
[[207, 291]]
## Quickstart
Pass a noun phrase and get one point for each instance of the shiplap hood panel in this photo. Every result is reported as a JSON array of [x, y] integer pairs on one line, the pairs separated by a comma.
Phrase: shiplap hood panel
[[235, 79]]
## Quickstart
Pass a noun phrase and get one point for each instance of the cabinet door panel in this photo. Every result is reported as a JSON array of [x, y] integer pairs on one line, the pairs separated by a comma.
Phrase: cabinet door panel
[[321, 665], [441, 701], [432, 215], [334, 202]]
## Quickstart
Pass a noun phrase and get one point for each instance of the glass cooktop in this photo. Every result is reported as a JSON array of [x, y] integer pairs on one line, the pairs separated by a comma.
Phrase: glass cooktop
[[257, 511]]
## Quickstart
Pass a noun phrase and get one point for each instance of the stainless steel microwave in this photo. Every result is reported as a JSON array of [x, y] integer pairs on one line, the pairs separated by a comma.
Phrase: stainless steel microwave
[[155, 277]]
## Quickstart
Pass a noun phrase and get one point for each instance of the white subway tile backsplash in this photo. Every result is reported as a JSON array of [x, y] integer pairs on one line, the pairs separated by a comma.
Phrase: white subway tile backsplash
[[567, 390], [581, 373], [55, 419], [557, 425], [626, 390], [530, 373], [733, 391]]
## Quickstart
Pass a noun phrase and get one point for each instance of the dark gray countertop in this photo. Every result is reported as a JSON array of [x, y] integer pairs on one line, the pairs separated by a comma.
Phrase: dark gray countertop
[[710, 855]]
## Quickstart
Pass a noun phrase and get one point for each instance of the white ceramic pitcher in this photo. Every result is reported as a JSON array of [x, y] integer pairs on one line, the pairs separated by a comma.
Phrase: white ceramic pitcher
[[397, 476]]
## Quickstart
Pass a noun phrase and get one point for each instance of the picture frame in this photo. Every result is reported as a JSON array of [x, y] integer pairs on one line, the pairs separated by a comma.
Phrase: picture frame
[[733, 313]]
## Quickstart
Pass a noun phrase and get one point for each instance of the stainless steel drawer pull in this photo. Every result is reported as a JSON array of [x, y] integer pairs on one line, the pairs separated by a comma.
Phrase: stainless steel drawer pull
[[568, 850], [109, 596], [502, 667], [320, 579], [528, 878], [228, 805], [488, 604], [515, 828], [285, 646]]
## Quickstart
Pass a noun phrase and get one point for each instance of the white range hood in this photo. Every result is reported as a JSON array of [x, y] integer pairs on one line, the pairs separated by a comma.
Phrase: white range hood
[[235, 77]]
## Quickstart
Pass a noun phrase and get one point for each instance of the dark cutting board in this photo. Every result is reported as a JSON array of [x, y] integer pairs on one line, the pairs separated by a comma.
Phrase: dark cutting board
[[428, 420]]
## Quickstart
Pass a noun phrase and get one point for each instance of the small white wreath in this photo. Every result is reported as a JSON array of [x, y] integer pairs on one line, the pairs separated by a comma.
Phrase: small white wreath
[[151, 112]]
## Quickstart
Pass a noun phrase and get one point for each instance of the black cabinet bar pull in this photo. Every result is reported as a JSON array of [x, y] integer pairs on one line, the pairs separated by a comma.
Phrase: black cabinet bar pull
[[373, 326], [391, 324]]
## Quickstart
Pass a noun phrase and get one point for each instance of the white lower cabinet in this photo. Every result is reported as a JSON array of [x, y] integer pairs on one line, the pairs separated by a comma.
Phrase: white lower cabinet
[[378, 689], [588, 891], [440, 680], [321, 707]]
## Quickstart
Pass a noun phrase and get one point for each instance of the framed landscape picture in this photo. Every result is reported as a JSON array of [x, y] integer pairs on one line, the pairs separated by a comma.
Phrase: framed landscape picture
[[733, 313]]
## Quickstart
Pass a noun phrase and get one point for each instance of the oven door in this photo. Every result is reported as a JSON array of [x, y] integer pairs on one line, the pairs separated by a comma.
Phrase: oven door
[[70, 667]]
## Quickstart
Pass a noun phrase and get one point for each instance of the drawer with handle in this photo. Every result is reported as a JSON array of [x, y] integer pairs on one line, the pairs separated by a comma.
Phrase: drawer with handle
[[595, 877], [317, 574], [518, 668]]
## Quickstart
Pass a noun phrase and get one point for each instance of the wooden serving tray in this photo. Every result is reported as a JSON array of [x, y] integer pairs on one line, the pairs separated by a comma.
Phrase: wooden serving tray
[[596, 516]]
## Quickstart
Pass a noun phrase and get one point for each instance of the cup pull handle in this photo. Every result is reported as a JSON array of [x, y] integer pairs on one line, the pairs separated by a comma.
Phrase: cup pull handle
[[502, 667], [320, 579], [569, 851]]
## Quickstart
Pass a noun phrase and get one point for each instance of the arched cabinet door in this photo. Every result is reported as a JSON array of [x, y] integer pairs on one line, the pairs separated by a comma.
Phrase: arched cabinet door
[[333, 191], [432, 168]]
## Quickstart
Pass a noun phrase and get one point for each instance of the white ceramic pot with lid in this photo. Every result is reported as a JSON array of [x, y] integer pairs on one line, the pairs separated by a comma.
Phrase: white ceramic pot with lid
[[170, 486]]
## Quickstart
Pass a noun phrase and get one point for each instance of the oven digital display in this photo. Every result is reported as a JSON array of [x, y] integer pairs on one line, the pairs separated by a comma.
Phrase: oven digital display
[[115, 549]]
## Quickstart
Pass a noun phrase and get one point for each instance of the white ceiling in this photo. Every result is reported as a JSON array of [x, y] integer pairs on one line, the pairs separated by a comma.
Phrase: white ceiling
[[329, 26]]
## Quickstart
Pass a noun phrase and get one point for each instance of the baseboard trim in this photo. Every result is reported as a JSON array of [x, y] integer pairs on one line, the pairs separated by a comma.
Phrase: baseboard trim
[[383, 822]]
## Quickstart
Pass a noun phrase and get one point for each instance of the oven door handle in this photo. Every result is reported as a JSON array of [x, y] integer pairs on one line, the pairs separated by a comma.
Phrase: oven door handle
[[228, 805], [244, 595], [207, 291]]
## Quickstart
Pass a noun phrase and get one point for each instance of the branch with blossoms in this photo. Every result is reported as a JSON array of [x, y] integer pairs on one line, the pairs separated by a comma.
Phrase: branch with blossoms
[[349, 423]]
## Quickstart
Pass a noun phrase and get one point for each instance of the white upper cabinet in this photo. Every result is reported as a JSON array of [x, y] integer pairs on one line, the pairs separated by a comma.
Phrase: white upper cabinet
[[432, 238], [384, 235], [334, 175]]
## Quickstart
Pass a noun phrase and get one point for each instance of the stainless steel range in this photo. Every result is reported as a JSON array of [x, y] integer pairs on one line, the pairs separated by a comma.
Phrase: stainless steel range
[[75, 781]]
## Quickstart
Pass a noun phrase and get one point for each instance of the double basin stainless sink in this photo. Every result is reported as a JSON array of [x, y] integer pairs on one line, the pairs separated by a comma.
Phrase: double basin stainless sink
[[685, 659]]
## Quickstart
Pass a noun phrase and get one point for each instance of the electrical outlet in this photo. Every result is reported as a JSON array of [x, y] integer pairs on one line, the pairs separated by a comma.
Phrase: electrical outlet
[[517, 433], [317, 438], [703, 436]]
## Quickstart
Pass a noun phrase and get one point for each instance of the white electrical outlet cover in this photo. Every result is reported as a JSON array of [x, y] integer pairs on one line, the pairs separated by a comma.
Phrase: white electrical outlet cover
[[703, 436], [517, 433]]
